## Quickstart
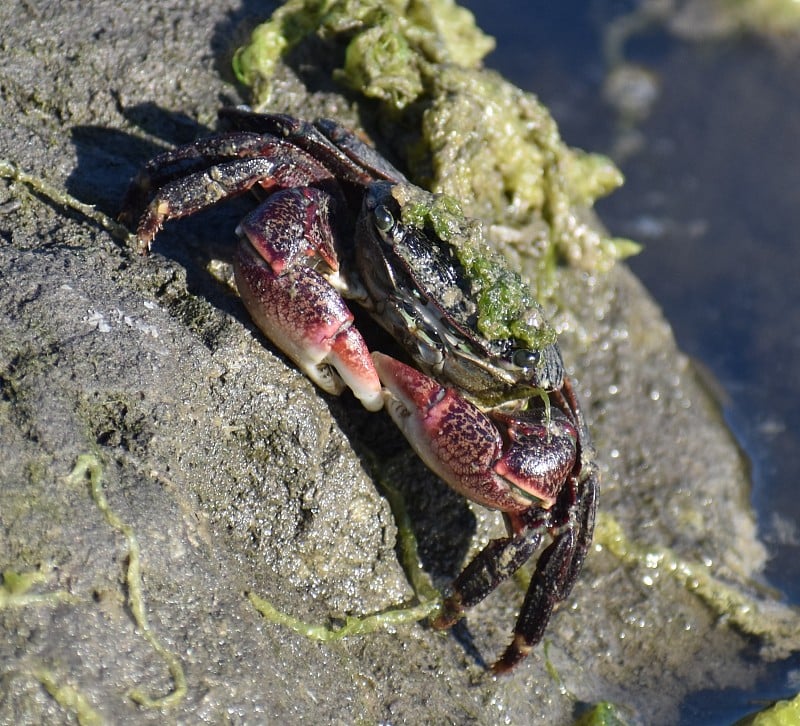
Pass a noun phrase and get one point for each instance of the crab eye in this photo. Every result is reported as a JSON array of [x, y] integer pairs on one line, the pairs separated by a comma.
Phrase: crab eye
[[523, 358], [384, 220]]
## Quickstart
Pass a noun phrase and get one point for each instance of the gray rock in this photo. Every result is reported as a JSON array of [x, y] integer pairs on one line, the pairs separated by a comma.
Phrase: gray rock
[[236, 475]]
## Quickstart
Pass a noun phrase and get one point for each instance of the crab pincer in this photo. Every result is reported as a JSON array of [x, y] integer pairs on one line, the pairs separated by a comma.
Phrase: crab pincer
[[286, 270]]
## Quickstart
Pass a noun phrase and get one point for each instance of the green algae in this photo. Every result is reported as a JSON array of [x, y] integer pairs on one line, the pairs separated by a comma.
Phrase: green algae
[[352, 625], [12, 172], [770, 17], [601, 714], [776, 624], [506, 307], [88, 465], [781, 713], [68, 697], [428, 599], [390, 44], [16, 586], [15, 592], [467, 132]]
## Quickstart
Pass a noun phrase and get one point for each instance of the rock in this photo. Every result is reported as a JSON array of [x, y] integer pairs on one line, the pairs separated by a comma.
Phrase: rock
[[226, 472]]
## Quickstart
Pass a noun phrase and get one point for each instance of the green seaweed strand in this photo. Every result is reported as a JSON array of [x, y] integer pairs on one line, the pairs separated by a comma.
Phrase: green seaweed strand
[[429, 599], [361, 625], [89, 464], [68, 697], [14, 591], [742, 611], [11, 171]]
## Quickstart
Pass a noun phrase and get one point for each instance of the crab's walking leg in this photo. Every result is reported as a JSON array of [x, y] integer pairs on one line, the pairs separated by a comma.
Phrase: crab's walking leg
[[287, 275], [188, 159], [351, 158], [571, 526], [495, 563], [556, 572], [192, 177]]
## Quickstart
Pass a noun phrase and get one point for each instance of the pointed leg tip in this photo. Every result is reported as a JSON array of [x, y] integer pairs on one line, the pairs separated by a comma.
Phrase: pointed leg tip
[[451, 612], [514, 655]]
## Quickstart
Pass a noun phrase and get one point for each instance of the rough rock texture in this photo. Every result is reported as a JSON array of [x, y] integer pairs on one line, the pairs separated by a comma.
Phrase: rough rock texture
[[236, 475]]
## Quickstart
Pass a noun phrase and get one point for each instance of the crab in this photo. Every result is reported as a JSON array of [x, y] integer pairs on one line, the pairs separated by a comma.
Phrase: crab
[[482, 397]]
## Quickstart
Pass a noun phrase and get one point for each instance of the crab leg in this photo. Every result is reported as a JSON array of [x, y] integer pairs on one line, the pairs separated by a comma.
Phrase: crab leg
[[557, 569], [240, 161], [350, 157], [495, 563], [188, 159], [287, 274], [549, 586]]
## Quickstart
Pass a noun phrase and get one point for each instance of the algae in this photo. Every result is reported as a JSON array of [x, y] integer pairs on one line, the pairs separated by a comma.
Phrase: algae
[[88, 465], [68, 697], [774, 20], [427, 596], [775, 624], [15, 593], [467, 132], [390, 44], [16, 586], [12, 172], [353, 625], [505, 304], [781, 713], [770, 17], [602, 714]]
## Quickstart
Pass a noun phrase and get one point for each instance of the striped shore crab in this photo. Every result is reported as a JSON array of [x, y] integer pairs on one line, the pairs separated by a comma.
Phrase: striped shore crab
[[483, 397]]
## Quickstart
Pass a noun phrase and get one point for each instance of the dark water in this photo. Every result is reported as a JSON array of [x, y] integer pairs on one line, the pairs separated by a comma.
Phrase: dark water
[[714, 194]]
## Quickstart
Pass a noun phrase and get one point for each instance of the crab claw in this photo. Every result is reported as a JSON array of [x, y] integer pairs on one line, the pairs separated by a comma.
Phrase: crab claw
[[454, 438], [522, 467], [542, 450], [296, 306]]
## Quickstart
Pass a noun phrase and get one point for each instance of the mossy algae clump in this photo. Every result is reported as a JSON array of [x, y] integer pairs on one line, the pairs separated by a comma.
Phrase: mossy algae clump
[[390, 44], [505, 305], [463, 130]]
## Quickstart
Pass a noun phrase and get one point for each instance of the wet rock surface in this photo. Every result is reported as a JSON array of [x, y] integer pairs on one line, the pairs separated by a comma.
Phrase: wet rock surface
[[236, 475]]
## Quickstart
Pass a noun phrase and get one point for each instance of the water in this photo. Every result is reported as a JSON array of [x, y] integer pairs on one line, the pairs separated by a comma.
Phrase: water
[[714, 194]]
